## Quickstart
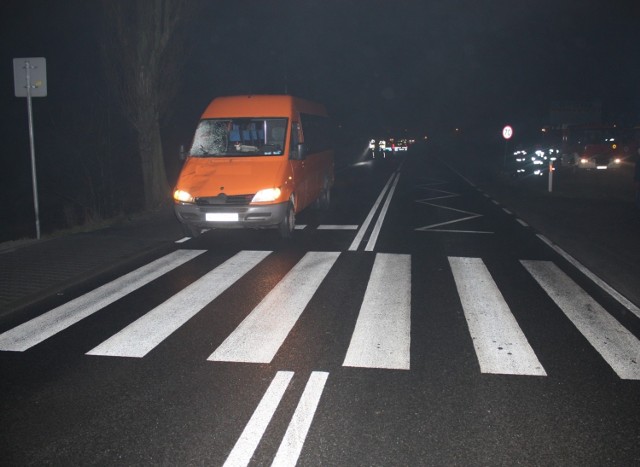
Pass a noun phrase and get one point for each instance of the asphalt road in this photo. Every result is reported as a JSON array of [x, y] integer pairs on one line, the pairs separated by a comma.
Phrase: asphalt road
[[417, 322]]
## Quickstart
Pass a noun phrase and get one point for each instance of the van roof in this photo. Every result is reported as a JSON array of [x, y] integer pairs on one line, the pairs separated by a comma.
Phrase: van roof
[[261, 106]]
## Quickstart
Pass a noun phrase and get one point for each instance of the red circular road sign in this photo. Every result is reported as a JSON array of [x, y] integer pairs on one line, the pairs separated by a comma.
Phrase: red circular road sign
[[507, 132]]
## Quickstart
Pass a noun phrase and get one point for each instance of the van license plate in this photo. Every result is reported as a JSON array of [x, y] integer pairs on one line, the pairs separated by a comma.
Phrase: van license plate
[[221, 216]]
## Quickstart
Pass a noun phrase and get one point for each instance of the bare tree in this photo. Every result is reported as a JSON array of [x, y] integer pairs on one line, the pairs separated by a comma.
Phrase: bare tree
[[143, 52]]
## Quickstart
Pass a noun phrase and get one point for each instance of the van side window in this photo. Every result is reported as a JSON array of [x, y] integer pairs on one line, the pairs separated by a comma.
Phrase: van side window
[[295, 140], [317, 131]]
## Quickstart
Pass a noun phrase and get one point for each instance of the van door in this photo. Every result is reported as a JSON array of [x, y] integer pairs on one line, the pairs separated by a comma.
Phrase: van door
[[298, 167]]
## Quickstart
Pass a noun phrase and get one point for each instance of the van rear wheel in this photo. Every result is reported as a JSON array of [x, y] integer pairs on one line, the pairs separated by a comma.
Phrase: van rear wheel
[[286, 227]]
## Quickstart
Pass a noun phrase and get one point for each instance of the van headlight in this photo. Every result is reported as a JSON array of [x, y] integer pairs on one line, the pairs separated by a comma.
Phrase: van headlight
[[267, 195], [182, 196]]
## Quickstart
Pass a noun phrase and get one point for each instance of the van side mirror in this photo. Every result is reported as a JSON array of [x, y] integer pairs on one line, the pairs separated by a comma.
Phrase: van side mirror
[[301, 151]]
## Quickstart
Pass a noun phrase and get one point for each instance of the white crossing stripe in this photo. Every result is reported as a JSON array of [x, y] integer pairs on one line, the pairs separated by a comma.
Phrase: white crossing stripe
[[143, 335], [619, 348], [337, 227], [44, 326], [382, 336], [294, 438], [501, 346], [260, 335], [602, 284], [252, 434]]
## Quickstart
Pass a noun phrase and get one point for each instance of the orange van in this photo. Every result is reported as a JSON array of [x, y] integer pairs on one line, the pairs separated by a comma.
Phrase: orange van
[[255, 162]]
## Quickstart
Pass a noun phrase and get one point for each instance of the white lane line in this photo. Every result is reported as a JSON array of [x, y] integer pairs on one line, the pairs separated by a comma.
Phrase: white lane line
[[614, 342], [300, 226], [507, 211], [244, 448], [183, 239], [337, 227], [378, 226], [294, 438], [500, 344], [367, 221], [522, 223], [144, 334], [495, 202], [260, 335], [602, 284], [50, 323], [456, 231], [382, 335]]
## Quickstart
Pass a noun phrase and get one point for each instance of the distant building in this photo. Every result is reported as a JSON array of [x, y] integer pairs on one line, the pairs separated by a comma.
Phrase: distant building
[[575, 113]]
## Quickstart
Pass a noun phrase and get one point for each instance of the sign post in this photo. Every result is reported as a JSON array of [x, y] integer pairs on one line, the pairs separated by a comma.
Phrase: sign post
[[507, 133], [30, 80]]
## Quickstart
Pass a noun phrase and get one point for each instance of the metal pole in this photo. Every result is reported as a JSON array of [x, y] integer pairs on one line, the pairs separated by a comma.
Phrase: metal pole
[[550, 176], [27, 66], [504, 160]]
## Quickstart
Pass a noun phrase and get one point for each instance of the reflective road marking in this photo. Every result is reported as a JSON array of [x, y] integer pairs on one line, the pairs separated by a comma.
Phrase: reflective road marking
[[501, 346], [44, 326], [141, 336], [382, 336], [614, 342], [252, 434], [260, 335]]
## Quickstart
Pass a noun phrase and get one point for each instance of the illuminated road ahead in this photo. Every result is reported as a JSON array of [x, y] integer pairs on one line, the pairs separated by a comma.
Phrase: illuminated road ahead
[[418, 322]]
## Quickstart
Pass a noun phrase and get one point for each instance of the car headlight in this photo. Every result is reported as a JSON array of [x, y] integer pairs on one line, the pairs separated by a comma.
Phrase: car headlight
[[266, 195], [182, 196]]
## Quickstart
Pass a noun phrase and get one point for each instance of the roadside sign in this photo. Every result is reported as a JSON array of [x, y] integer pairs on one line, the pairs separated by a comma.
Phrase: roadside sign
[[30, 80], [30, 74], [507, 132]]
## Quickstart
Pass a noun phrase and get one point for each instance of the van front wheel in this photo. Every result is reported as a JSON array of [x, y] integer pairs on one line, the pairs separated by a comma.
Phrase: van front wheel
[[287, 225]]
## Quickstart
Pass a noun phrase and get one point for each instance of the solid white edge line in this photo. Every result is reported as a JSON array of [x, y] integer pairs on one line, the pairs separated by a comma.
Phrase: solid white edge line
[[378, 226], [293, 441], [246, 445], [367, 221], [602, 284]]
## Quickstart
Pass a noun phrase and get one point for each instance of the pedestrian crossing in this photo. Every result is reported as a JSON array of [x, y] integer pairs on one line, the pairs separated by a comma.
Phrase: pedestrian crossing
[[381, 335]]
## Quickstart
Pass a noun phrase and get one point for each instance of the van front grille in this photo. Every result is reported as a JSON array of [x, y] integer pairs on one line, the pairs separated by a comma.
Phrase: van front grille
[[235, 200]]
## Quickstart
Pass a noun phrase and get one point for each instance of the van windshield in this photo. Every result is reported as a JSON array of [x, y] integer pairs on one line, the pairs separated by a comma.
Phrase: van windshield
[[239, 137]]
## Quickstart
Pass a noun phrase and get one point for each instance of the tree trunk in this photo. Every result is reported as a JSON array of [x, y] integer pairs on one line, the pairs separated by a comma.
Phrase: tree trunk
[[156, 187]]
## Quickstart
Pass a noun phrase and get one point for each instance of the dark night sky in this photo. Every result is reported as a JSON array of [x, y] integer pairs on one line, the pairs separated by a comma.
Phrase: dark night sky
[[392, 64]]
